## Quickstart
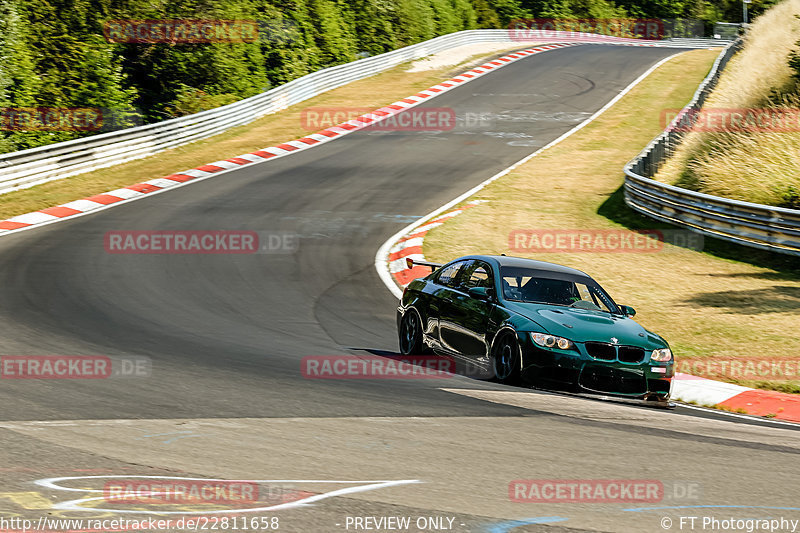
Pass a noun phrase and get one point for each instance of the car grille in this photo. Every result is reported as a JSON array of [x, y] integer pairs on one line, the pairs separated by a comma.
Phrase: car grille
[[602, 350], [612, 352], [613, 380], [630, 354]]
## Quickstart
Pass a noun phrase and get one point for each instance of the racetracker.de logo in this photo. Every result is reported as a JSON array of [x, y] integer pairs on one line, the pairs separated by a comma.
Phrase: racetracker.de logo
[[376, 367], [73, 366], [67, 119], [414, 119], [754, 368], [732, 120], [602, 240], [544, 28], [200, 242], [179, 31], [586, 491], [155, 491]]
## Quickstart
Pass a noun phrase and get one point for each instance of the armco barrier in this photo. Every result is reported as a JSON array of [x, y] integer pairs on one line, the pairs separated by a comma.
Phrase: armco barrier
[[760, 226], [38, 165]]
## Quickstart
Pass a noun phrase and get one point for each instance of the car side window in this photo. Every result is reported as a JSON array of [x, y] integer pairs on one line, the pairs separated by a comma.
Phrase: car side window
[[448, 276], [478, 275]]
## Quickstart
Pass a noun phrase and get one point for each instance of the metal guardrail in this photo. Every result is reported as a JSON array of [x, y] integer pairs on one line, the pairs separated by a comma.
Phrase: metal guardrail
[[30, 167], [761, 226]]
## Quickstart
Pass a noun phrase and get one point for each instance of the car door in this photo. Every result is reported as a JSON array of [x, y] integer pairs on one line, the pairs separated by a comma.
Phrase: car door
[[442, 285], [464, 319]]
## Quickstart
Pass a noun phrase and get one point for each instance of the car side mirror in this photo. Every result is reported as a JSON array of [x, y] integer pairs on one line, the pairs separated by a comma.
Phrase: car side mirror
[[482, 293], [627, 310]]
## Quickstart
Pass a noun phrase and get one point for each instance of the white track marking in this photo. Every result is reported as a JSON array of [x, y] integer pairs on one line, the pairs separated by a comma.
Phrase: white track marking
[[738, 415], [704, 391], [75, 505]]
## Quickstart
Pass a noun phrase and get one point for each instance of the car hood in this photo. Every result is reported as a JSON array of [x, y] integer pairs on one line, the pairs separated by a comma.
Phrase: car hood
[[581, 325]]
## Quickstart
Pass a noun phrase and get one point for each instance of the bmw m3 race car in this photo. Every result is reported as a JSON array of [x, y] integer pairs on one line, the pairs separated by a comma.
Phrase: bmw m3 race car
[[541, 323]]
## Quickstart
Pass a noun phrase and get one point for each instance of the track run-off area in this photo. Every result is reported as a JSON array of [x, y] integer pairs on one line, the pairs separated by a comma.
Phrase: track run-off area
[[224, 335]]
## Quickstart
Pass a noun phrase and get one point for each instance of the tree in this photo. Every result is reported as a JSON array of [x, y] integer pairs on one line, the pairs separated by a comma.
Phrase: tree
[[332, 31], [19, 84]]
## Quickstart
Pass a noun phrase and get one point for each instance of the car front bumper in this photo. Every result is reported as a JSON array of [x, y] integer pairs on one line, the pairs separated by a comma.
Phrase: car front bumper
[[577, 371]]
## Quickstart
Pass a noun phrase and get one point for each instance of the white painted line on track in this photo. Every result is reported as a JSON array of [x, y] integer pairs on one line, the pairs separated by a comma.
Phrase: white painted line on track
[[753, 418], [75, 505]]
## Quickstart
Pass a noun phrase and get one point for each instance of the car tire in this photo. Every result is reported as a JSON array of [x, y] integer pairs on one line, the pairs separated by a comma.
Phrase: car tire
[[506, 358], [410, 334]]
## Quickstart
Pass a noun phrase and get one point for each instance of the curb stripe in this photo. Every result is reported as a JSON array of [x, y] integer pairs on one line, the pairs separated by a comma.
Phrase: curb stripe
[[32, 218], [762, 403], [178, 177], [288, 147], [210, 168], [140, 187], [104, 199], [704, 391], [405, 252], [410, 245], [60, 212], [7, 224]]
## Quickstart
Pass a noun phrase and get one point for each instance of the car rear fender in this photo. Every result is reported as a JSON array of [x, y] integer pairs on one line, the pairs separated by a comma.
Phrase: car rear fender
[[429, 323]]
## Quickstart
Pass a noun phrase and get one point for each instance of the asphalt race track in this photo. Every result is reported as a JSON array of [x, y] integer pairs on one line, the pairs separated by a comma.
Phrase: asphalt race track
[[226, 334]]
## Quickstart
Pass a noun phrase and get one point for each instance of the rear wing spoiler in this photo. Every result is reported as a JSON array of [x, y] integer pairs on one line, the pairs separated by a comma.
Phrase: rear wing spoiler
[[411, 262]]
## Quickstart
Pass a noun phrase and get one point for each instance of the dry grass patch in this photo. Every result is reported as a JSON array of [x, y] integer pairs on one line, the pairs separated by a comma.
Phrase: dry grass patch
[[703, 305], [374, 92], [757, 166]]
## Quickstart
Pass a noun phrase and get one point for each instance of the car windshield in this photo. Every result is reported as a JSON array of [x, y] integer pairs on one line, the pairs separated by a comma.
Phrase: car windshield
[[554, 288]]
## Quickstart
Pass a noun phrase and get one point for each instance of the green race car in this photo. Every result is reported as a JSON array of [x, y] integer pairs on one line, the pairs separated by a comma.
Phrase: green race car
[[541, 323]]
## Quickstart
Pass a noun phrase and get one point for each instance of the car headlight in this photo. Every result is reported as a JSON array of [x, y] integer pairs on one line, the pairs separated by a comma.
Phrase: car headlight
[[551, 341], [662, 355]]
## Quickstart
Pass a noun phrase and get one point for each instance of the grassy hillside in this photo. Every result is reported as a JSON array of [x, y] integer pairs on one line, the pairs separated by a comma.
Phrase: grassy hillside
[[752, 164]]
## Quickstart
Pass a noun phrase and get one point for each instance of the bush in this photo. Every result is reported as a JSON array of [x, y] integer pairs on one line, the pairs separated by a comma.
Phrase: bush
[[191, 100]]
